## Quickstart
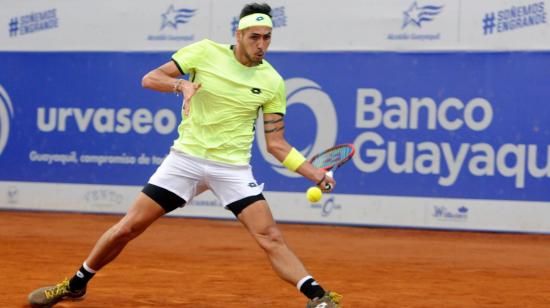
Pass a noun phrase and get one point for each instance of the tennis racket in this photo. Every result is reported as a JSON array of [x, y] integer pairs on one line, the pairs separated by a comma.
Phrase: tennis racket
[[333, 158]]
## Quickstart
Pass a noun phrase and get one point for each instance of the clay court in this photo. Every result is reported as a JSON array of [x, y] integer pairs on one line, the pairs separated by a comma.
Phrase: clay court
[[182, 262]]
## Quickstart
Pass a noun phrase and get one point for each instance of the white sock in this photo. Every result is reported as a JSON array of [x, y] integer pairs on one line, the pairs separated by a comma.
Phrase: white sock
[[301, 282], [87, 268]]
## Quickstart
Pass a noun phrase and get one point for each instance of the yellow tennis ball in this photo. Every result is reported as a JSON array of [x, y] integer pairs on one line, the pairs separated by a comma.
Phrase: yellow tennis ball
[[314, 194]]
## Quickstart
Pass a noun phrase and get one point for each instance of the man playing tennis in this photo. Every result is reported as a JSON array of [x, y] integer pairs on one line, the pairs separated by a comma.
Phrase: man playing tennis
[[228, 86]]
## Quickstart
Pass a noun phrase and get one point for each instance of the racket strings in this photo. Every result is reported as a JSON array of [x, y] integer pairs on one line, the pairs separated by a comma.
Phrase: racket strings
[[332, 157]]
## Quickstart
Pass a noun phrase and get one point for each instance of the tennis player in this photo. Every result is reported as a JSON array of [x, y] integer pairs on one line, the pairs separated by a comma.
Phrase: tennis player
[[228, 86]]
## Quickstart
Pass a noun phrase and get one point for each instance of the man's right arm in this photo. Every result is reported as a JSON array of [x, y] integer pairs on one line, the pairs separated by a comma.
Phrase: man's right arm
[[164, 78]]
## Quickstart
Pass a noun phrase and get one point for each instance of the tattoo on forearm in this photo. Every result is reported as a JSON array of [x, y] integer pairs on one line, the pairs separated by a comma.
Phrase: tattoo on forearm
[[276, 129], [273, 121]]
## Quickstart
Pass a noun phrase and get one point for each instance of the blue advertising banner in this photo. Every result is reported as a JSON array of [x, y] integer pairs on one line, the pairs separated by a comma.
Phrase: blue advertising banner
[[450, 125]]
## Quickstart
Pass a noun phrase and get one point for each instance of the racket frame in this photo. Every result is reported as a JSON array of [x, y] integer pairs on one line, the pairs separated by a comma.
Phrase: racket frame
[[330, 169]]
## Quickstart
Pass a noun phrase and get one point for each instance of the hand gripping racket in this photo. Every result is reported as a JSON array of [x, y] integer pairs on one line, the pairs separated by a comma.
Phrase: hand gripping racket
[[333, 158]]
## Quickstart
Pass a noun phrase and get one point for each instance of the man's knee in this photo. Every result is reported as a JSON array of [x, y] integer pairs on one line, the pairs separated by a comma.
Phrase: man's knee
[[140, 216], [125, 231], [270, 238]]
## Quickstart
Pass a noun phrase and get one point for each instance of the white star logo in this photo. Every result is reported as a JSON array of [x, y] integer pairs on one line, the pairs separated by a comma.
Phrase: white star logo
[[412, 15], [416, 15], [173, 17], [169, 18]]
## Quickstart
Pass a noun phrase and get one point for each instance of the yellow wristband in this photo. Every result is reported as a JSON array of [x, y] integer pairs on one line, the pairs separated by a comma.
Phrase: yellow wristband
[[293, 160]]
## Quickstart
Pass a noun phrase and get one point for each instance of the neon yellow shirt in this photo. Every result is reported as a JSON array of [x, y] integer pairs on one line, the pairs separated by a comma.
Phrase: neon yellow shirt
[[220, 125]]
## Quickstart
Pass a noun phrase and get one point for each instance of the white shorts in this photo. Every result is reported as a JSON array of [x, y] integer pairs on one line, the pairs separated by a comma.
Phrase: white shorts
[[188, 176]]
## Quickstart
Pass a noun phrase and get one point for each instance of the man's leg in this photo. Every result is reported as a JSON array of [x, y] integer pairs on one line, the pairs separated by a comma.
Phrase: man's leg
[[140, 216], [258, 220]]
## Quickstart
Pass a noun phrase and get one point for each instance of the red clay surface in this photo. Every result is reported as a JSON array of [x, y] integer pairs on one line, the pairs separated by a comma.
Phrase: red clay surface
[[182, 262]]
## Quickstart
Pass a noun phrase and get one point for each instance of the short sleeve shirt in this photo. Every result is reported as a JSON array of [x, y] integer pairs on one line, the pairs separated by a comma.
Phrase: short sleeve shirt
[[223, 113]]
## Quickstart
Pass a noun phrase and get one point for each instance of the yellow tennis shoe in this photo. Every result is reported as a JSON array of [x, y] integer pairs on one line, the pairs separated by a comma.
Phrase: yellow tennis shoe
[[329, 300], [49, 296]]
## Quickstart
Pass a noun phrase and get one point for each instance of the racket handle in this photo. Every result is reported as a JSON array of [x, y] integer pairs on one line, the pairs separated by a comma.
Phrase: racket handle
[[328, 186]]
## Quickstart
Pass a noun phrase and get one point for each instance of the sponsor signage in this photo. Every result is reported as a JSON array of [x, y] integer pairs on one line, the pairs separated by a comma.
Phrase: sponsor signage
[[359, 25], [515, 17], [418, 130], [33, 22], [415, 18]]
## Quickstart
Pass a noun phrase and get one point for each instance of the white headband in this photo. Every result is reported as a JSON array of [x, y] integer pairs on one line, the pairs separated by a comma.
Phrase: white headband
[[253, 20]]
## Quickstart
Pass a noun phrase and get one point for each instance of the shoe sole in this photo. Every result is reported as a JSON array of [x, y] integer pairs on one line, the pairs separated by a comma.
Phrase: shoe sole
[[66, 299]]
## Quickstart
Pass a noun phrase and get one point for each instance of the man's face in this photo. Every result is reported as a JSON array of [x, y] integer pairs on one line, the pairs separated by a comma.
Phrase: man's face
[[254, 42]]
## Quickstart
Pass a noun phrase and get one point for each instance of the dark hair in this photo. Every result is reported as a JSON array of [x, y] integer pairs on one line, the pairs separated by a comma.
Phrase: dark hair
[[253, 8]]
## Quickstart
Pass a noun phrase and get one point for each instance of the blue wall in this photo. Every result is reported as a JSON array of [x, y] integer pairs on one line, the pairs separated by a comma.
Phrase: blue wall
[[515, 86]]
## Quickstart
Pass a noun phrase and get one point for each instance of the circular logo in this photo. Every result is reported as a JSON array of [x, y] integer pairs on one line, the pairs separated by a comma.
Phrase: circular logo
[[259, 18], [328, 207], [6, 112], [306, 92], [13, 194]]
